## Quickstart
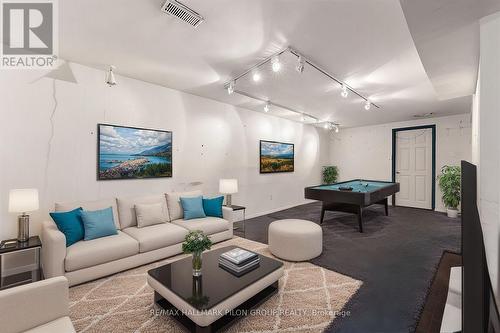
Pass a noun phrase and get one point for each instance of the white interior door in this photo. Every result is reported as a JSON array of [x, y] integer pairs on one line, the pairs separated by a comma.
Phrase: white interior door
[[414, 168]]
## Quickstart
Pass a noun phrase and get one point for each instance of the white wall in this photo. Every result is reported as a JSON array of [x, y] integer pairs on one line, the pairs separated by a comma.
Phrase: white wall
[[366, 152], [211, 140], [486, 148]]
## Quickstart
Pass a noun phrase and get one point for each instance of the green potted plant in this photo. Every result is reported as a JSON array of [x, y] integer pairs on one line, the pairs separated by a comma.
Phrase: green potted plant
[[330, 174], [196, 242], [449, 182]]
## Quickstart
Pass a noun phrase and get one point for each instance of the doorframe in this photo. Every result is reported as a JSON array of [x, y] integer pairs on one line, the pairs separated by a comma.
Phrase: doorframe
[[401, 129]]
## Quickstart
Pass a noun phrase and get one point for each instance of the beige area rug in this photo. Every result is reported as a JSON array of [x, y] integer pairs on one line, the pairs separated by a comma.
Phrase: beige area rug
[[308, 300]]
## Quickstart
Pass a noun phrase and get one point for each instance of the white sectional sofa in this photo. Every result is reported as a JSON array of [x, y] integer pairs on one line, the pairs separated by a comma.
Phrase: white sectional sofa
[[132, 246], [38, 307]]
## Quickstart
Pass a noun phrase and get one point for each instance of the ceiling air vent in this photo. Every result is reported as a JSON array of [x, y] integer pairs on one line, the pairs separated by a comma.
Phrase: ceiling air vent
[[182, 12]]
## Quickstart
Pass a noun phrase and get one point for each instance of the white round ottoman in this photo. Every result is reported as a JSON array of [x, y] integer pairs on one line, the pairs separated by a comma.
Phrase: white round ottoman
[[295, 240]]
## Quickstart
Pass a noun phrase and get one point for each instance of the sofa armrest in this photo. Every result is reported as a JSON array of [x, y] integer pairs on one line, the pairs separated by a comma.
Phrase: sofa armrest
[[34, 304], [53, 250]]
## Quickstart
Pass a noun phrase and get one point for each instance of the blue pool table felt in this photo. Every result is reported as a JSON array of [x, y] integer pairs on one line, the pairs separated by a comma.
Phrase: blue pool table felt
[[357, 186]]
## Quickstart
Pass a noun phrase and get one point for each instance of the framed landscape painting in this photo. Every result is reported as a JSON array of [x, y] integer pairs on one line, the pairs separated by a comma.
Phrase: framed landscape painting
[[276, 157], [133, 153]]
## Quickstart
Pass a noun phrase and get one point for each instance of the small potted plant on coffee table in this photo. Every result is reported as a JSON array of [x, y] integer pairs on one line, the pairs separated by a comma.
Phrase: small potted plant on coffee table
[[196, 242], [449, 182]]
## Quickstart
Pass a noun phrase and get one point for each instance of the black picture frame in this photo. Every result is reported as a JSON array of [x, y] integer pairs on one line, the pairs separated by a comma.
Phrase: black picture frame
[[98, 162], [263, 170]]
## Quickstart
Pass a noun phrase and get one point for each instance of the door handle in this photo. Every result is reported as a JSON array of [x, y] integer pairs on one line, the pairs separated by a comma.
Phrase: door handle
[[398, 172]]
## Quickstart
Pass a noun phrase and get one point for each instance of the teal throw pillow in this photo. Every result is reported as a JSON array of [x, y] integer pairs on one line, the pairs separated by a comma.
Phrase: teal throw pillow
[[98, 223], [192, 207], [70, 224], [213, 206]]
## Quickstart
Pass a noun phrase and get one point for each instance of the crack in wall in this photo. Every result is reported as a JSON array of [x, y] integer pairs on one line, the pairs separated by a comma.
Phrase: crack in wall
[[51, 136]]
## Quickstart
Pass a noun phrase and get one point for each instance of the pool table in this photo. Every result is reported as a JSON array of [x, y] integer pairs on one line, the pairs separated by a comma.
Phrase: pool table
[[352, 196]]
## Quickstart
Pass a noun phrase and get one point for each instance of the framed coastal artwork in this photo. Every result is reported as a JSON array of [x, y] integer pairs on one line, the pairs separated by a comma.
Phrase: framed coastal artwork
[[133, 153], [276, 157]]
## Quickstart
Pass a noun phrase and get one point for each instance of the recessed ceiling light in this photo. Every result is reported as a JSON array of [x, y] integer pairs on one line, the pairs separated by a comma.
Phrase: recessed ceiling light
[[276, 64]]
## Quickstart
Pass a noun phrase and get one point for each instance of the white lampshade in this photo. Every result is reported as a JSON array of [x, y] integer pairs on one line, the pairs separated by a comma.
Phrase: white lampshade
[[23, 200], [228, 186]]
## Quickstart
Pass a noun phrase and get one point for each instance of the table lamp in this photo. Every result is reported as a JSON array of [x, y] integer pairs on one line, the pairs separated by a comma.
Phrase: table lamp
[[228, 187], [23, 201]]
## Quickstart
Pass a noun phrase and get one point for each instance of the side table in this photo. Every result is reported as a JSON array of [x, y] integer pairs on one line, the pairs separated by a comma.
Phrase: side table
[[236, 208], [17, 278]]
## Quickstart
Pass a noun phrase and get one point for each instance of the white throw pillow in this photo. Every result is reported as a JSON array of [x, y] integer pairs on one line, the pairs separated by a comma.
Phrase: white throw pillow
[[149, 214]]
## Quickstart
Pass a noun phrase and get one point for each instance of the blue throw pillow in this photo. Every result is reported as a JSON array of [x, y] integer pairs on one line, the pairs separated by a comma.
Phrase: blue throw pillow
[[192, 207], [98, 223], [213, 206], [70, 224]]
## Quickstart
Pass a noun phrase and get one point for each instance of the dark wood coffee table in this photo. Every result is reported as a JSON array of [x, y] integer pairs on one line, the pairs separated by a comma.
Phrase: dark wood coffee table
[[214, 300]]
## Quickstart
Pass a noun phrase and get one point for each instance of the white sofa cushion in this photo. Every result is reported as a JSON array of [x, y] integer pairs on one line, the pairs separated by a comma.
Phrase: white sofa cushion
[[174, 203], [209, 225], [85, 254], [157, 236], [91, 205], [150, 214], [60, 325], [126, 208]]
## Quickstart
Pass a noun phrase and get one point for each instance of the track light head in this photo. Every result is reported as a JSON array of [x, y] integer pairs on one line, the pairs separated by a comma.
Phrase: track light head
[[344, 92], [256, 76], [267, 107], [110, 76], [300, 64], [368, 105], [275, 64], [336, 128], [230, 88]]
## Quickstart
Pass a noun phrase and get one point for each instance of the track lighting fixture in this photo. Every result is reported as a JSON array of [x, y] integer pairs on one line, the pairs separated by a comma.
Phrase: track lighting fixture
[[331, 126], [344, 92], [256, 76], [110, 76], [267, 107], [275, 64], [230, 88], [368, 105], [300, 64]]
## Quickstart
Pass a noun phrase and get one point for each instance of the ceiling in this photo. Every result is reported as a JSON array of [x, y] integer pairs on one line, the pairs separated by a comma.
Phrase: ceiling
[[446, 35], [366, 43]]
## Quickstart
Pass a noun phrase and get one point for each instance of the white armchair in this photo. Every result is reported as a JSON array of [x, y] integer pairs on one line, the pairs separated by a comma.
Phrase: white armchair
[[38, 307]]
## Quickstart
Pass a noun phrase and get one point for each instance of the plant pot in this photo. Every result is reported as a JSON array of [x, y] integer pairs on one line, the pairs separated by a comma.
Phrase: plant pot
[[452, 212], [197, 263]]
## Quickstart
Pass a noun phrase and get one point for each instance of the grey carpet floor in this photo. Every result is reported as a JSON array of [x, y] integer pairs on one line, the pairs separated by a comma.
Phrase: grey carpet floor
[[396, 258]]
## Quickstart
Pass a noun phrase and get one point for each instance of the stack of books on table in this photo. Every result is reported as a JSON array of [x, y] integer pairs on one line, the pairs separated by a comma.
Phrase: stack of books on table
[[239, 261]]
